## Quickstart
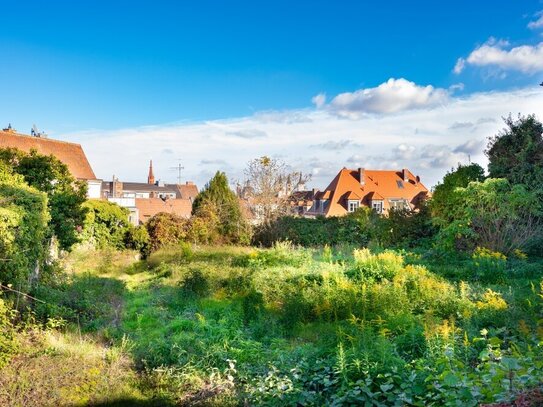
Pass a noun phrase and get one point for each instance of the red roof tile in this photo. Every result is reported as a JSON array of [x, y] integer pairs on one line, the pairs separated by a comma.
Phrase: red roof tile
[[148, 207], [378, 184], [70, 154]]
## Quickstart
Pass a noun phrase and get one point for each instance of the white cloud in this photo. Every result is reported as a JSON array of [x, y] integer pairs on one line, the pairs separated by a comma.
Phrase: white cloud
[[527, 59], [460, 65], [538, 23], [337, 145], [319, 100], [419, 139], [248, 133], [394, 95]]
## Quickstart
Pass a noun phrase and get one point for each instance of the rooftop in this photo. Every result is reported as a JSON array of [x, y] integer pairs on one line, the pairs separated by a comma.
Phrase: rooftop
[[70, 154]]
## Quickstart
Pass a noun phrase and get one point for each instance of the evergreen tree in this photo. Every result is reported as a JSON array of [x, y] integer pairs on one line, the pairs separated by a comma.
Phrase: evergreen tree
[[227, 218]]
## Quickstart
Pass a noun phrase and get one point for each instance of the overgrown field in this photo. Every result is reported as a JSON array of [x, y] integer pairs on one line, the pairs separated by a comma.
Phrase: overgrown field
[[286, 326]]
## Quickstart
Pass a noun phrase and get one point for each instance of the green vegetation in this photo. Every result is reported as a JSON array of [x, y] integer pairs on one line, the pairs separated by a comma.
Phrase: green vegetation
[[217, 214], [285, 325], [65, 194], [23, 229]]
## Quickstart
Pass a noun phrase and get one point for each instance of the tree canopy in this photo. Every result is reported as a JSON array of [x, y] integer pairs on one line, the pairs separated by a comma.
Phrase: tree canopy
[[516, 153], [65, 194], [457, 178], [220, 206], [270, 183]]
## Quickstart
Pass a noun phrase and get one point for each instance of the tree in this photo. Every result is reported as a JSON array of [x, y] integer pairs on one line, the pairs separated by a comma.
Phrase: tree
[[166, 229], [217, 210], [493, 214], [516, 153], [269, 184], [458, 178], [65, 194], [105, 225], [23, 229]]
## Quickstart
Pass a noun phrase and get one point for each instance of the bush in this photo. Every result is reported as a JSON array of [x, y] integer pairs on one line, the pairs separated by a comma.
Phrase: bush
[[137, 238], [105, 225], [355, 228], [8, 341], [23, 230], [166, 229], [369, 266]]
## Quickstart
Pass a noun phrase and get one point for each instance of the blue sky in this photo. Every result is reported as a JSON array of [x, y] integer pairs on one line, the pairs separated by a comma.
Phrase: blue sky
[[89, 69]]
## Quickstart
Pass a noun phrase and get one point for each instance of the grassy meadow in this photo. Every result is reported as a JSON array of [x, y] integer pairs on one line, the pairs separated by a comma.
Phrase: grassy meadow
[[282, 326]]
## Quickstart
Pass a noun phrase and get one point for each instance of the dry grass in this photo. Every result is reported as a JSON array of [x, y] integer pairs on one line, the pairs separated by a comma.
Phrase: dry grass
[[57, 369]]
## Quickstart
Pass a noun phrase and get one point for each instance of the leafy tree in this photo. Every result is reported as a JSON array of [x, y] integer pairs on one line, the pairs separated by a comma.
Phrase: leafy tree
[[65, 194], [105, 225], [218, 208], [23, 229], [166, 229], [269, 185], [458, 178], [493, 214], [516, 153]]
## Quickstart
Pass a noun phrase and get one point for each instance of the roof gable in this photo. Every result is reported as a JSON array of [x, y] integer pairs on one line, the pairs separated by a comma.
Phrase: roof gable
[[377, 185]]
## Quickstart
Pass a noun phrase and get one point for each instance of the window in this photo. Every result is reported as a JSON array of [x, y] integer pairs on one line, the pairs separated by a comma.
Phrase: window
[[398, 204], [353, 206], [400, 184], [377, 206]]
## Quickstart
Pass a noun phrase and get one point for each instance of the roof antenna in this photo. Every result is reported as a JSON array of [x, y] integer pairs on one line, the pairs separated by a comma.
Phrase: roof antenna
[[178, 168]]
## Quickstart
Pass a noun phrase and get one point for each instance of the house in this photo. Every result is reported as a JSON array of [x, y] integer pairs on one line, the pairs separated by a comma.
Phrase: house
[[145, 200], [70, 154], [380, 190]]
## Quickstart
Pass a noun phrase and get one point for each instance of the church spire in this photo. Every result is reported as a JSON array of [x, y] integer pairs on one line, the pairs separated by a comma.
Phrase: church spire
[[151, 176]]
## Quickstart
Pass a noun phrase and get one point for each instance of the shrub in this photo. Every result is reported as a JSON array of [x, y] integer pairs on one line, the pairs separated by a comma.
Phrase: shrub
[[354, 229], [166, 229], [282, 253], [105, 225], [137, 238], [489, 266], [23, 230], [378, 266], [8, 341]]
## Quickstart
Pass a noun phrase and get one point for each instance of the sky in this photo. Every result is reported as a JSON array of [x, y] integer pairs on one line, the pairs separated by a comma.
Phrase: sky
[[318, 84]]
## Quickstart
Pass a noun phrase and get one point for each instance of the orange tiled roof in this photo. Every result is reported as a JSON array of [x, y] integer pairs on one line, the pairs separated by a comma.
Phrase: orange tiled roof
[[378, 184], [149, 207], [70, 154], [187, 190]]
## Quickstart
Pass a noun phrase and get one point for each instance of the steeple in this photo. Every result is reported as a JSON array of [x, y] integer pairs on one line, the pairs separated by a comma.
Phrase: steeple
[[151, 176]]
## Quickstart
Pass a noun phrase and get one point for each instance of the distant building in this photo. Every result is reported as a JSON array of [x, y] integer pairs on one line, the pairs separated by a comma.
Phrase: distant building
[[145, 200], [70, 154], [380, 190]]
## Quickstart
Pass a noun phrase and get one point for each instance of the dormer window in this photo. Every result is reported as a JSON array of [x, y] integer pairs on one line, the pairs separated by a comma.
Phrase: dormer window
[[377, 206], [352, 206]]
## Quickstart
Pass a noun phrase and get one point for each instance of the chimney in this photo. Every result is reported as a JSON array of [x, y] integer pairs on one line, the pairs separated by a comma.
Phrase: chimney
[[362, 176], [151, 176], [117, 188], [405, 177], [9, 129]]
